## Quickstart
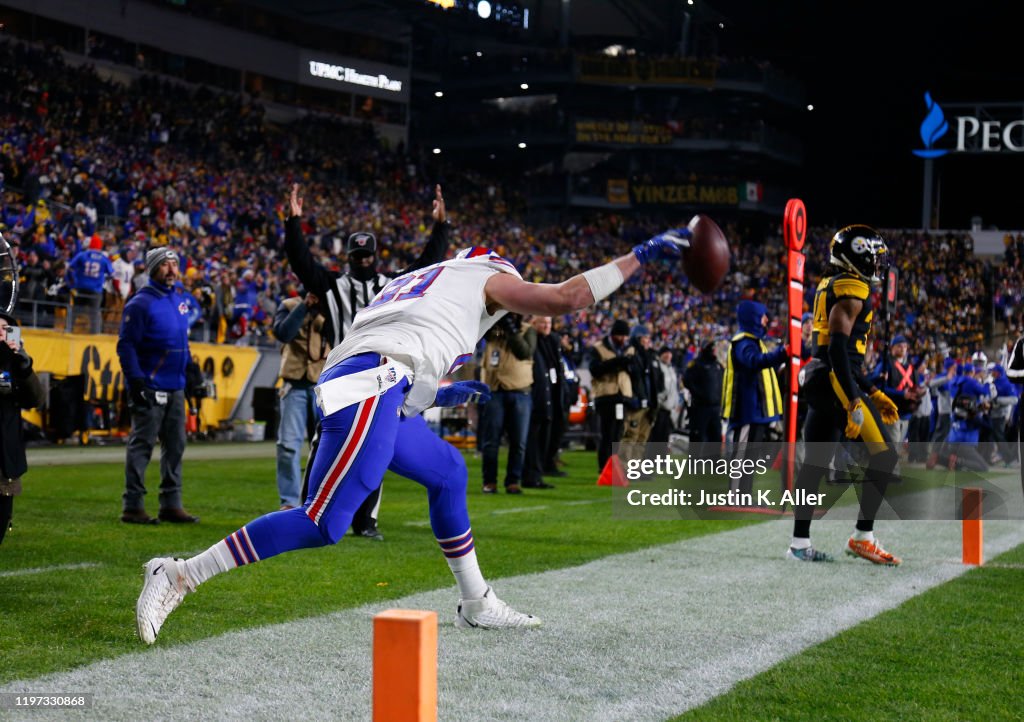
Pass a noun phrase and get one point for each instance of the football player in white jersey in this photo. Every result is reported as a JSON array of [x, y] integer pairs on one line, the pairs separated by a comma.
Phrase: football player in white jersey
[[374, 386]]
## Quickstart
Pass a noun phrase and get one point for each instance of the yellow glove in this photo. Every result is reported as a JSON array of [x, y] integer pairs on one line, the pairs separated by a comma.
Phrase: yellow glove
[[855, 414], [855, 410], [886, 408]]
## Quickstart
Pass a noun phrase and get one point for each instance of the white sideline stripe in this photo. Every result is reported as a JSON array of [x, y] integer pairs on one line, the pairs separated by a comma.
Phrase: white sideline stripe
[[519, 509], [640, 636], [44, 570], [516, 510]]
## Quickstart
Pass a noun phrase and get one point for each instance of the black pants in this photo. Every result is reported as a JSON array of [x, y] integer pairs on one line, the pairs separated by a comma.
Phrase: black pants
[[538, 438], [823, 429], [609, 427], [6, 512], [558, 426], [662, 427], [706, 430]]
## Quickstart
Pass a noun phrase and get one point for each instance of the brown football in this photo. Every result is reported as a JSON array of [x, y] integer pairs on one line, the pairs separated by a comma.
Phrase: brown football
[[706, 261]]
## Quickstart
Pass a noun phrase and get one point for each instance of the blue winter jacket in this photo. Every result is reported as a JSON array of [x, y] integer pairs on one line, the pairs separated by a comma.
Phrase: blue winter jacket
[[748, 361], [153, 341]]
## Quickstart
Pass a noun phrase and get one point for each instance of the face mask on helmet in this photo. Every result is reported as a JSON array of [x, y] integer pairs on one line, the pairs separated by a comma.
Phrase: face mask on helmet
[[861, 251]]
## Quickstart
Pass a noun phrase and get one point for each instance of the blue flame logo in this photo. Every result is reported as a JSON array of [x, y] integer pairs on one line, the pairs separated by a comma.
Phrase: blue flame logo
[[933, 127]]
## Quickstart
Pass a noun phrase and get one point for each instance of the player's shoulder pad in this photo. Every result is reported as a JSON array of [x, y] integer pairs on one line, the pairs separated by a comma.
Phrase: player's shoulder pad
[[488, 258], [845, 286]]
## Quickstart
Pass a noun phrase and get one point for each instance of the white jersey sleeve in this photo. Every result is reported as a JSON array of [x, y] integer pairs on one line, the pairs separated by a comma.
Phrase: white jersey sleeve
[[431, 320]]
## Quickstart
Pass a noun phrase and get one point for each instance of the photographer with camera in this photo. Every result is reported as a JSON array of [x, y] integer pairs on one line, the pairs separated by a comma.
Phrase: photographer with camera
[[154, 352], [19, 389], [508, 369]]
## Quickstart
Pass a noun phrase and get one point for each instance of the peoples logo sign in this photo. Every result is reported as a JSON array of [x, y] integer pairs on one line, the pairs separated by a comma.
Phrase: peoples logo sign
[[973, 134], [933, 128]]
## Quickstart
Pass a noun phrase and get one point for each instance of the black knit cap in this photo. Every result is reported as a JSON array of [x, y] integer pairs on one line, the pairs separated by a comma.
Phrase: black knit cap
[[620, 328]]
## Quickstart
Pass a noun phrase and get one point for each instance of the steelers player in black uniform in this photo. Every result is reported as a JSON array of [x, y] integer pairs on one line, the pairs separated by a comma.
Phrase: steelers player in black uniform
[[840, 399]]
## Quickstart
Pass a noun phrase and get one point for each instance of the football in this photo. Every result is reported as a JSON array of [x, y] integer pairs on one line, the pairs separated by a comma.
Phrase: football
[[706, 261]]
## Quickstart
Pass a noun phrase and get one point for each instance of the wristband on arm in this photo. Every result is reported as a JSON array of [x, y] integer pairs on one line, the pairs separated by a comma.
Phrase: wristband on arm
[[604, 280]]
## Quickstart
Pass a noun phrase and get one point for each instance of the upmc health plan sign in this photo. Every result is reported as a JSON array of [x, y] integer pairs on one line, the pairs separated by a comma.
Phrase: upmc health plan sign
[[973, 135], [354, 76]]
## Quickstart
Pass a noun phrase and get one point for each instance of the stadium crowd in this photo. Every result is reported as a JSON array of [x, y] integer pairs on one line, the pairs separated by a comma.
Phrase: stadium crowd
[[92, 165]]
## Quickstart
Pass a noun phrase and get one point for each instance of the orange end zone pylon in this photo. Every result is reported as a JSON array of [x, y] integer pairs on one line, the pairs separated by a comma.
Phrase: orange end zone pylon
[[613, 474], [405, 666], [974, 536]]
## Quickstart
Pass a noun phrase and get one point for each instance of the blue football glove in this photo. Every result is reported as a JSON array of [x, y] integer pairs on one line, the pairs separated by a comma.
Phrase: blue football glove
[[459, 392], [669, 244]]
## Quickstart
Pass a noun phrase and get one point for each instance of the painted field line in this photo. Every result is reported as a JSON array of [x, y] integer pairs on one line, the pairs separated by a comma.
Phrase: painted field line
[[520, 509], [44, 570], [637, 636]]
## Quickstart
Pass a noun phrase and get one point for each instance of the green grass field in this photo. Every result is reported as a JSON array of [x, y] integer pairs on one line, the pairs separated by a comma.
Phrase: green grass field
[[69, 515], [953, 653], [950, 653]]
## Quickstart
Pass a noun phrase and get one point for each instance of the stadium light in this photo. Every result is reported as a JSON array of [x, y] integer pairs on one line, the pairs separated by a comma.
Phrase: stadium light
[[522, 145], [479, 54], [437, 151], [483, 9], [524, 86], [810, 106], [721, 26], [438, 94], [689, 2]]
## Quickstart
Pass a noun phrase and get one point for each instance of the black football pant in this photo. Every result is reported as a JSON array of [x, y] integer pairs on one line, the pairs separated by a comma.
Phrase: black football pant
[[823, 430]]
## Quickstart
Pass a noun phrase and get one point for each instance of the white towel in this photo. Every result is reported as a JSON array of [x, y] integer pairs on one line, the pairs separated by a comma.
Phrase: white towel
[[344, 391]]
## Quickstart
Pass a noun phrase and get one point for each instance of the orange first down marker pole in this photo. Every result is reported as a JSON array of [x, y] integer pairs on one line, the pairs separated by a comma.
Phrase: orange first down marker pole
[[973, 535], [405, 666]]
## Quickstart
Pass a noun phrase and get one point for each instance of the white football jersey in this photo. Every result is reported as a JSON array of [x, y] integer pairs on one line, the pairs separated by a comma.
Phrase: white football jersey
[[430, 320]]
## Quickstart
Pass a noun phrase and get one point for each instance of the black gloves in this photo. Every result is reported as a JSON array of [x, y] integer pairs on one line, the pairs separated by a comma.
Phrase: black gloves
[[137, 393]]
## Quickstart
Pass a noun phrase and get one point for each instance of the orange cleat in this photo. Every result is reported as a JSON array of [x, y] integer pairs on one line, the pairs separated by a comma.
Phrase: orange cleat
[[872, 551]]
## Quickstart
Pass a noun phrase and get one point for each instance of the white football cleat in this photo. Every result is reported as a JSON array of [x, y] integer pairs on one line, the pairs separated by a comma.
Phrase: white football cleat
[[162, 592], [489, 612]]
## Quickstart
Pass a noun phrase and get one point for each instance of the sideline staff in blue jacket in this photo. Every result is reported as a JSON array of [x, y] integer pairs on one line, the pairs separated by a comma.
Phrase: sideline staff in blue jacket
[[153, 348], [751, 399]]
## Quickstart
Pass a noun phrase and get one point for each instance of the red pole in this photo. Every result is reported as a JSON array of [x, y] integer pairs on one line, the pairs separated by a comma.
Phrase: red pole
[[794, 228]]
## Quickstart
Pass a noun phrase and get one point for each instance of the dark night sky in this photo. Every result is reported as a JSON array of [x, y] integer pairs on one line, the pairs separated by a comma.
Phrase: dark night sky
[[865, 67]]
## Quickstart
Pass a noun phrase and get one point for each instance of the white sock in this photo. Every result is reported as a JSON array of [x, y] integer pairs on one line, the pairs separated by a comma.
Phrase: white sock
[[800, 542], [468, 576], [859, 535], [213, 561]]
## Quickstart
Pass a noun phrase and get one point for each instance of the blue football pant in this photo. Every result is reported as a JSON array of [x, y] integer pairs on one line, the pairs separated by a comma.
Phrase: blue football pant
[[357, 445]]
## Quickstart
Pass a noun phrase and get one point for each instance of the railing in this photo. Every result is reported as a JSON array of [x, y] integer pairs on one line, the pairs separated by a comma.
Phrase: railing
[[88, 317]]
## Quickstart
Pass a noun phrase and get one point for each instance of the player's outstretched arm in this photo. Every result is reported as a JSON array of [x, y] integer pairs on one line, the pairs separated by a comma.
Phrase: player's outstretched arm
[[507, 292]]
